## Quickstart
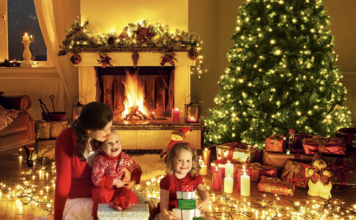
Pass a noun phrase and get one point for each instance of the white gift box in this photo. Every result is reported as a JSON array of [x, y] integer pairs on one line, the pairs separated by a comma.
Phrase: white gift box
[[186, 214], [138, 212], [185, 195]]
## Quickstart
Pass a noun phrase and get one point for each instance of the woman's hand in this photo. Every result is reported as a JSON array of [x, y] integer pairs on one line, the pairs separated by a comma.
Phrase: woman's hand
[[204, 206], [127, 175], [130, 184], [118, 183]]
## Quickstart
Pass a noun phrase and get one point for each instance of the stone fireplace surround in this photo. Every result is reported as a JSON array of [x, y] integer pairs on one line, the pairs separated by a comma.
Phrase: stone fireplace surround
[[152, 135]]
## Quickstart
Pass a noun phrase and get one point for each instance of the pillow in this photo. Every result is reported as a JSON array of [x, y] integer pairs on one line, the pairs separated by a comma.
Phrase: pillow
[[7, 117]]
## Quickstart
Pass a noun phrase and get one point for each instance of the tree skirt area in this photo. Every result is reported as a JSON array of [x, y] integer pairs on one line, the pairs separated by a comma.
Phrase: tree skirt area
[[151, 164]]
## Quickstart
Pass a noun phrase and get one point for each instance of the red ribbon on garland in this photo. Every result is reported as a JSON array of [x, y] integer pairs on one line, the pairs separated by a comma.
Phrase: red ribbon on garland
[[342, 169]]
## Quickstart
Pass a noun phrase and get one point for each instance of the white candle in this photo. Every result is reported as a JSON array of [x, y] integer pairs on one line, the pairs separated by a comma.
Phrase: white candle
[[203, 170], [245, 184], [200, 161], [229, 169], [26, 37], [228, 184]]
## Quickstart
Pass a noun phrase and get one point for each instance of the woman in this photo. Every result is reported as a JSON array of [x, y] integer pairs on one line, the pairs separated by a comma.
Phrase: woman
[[74, 154]]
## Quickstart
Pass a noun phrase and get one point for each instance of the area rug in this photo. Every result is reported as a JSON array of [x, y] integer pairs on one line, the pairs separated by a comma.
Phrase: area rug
[[151, 164]]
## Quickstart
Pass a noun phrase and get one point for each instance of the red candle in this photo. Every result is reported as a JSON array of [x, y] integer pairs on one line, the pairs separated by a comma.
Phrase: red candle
[[175, 114], [216, 178], [206, 156]]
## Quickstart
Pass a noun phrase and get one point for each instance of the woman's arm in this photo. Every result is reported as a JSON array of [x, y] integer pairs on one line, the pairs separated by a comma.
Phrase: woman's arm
[[164, 205], [64, 145], [204, 195]]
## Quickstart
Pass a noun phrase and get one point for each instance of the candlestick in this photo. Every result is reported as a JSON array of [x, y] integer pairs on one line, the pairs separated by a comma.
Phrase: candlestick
[[206, 156], [175, 114], [245, 184], [200, 161], [229, 169], [216, 179], [203, 169], [26, 52], [228, 184]]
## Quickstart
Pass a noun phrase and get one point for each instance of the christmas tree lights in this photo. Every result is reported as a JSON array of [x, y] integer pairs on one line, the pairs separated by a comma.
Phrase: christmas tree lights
[[281, 75]]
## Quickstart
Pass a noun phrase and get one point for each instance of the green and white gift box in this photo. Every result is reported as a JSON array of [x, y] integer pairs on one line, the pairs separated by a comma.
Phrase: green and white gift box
[[187, 204], [185, 195], [137, 212], [181, 214]]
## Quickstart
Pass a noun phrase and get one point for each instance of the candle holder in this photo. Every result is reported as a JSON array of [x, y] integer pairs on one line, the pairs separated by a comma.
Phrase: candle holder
[[26, 54], [191, 112]]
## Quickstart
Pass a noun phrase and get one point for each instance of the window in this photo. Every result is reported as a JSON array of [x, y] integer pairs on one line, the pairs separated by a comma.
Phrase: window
[[19, 17]]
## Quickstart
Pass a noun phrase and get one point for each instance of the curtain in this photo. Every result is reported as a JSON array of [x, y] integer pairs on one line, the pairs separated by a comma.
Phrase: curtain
[[54, 17]]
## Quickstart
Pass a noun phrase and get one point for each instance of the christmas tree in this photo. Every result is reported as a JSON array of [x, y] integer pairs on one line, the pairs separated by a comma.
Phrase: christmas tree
[[281, 75]]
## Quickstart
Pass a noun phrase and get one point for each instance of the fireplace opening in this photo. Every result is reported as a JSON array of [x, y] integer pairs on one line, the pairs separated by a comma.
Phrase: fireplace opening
[[140, 94]]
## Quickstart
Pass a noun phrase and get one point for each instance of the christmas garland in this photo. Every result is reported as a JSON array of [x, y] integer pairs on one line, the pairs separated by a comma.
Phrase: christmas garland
[[139, 37]]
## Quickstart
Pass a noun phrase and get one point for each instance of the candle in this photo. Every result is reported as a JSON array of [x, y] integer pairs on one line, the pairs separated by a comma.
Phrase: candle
[[148, 183], [192, 119], [175, 114], [206, 156], [245, 184], [228, 184], [25, 37], [229, 169], [203, 170], [216, 179], [200, 161]]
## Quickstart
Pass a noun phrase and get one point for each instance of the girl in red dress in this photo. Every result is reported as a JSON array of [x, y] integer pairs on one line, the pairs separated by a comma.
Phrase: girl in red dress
[[182, 169]]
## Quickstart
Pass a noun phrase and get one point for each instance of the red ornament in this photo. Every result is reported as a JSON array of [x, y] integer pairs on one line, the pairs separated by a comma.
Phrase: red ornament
[[76, 59], [121, 36], [104, 61], [143, 33], [168, 59], [79, 29], [193, 54]]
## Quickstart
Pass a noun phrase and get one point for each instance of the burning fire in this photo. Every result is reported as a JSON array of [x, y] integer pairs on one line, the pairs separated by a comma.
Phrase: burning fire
[[135, 95]]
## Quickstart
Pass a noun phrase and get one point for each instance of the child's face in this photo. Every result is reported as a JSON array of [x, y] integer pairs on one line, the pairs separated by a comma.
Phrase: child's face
[[112, 144], [183, 162]]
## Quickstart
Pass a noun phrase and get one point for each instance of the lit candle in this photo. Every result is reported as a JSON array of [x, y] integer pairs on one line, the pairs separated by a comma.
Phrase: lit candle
[[229, 169], [192, 119], [228, 184], [200, 161], [216, 178], [203, 170], [175, 114], [26, 37], [206, 156], [245, 184], [148, 183]]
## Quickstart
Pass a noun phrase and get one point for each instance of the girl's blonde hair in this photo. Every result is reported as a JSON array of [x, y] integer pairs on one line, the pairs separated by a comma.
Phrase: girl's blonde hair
[[174, 151]]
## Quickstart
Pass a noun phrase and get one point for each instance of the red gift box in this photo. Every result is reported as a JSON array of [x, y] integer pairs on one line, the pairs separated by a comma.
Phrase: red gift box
[[187, 188], [333, 145], [295, 140], [344, 172], [255, 171], [349, 134], [294, 172], [276, 143], [276, 186], [237, 153]]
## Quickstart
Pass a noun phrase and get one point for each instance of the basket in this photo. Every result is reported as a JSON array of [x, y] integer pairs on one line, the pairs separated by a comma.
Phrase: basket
[[55, 116]]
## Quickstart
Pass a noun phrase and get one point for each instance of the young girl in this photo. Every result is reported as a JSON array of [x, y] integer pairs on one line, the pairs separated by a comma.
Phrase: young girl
[[181, 169], [112, 172]]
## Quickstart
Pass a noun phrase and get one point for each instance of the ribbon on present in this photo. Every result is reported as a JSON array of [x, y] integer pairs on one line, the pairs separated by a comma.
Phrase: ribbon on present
[[255, 167], [232, 146], [268, 187], [291, 169], [321, 141], [341, 169], [187, 188], [278, 138]]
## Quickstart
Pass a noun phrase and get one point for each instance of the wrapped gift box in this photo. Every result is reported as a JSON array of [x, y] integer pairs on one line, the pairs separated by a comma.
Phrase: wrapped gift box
[[295, 141], [138, 212], [187, 204], [276, 143], [276, 186], [344, 172], [185, 195], [237, 153], [349, 135], [279, 160], [185, 214], [325, 145], [187, 188], [255, 171], [294, 172]]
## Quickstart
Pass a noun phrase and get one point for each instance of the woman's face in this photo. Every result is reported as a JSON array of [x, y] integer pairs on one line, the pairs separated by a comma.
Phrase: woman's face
[[101, 134]]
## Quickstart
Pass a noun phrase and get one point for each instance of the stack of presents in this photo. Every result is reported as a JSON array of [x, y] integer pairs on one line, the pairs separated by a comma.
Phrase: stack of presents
[[187, 205], [293, 161]]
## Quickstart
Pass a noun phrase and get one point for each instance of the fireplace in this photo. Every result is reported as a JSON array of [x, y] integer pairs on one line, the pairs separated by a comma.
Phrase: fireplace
[[138, 94]]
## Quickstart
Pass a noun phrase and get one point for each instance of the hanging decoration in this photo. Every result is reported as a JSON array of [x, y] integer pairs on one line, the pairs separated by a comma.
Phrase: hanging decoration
[[135, 37], [104, 60], [76, 59], [168, 59], [135, 58]]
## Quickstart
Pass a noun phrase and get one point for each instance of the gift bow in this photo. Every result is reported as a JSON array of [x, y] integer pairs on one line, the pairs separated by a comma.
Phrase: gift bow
[[321, 141], [254, 166], [291, 169], [232, 146], [342, 169], [278, 137]]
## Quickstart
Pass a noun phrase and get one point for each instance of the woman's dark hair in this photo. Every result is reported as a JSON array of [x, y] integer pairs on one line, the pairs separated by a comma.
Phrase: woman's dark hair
[[93, 116]]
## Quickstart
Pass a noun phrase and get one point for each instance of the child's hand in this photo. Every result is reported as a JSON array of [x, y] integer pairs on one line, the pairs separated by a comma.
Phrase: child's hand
[[127, 175], [118, 183], [130, 184], [204, 206]]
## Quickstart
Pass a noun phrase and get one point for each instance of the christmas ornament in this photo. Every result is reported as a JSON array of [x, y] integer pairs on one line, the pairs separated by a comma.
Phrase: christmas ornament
[[111, 40], [177, 136], [135, 58], [168, 59], [76, 59], [121, 36], [104, 61], [193, 54], [319, 177], [143, 33], [78, 29]]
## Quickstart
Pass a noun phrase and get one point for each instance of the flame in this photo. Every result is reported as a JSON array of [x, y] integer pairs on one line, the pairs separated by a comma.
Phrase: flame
[[134, 92]]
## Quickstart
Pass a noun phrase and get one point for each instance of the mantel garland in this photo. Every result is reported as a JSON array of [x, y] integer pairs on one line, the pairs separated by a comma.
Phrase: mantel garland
[[139, 37]]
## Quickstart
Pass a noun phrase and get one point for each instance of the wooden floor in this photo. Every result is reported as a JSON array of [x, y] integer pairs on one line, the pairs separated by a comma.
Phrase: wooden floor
[[11, 172]]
